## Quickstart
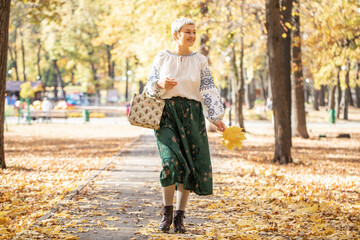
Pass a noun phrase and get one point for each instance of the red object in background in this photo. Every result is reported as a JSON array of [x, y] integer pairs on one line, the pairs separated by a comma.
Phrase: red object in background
[[127, 109]]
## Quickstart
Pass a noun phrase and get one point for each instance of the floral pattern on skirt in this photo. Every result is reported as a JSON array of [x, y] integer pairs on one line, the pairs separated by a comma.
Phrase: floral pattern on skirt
[[183, 146]]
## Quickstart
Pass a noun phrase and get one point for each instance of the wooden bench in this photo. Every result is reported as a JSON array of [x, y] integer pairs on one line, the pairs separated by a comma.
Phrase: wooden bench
[[37, 114]]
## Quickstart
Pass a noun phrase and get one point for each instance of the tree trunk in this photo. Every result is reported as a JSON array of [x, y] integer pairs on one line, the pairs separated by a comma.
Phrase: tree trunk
[[285, 11], [239, 90], [4, 33], [316, 99], [347, 92], [357, 89], [332, 98], [263, 90], [23, 56], [204, 39], [250, 94], [55, 82], [73, 74], [322, 95], [14, 63], [339, 95], [111, 64], [298, 101], [59, 78], [38, 60], [127, 67], [97, 89], [357, 94], [279, 84], [141, 86], [14, 59]]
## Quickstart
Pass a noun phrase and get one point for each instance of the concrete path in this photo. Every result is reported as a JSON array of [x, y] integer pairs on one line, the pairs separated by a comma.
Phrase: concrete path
[[124, 199]]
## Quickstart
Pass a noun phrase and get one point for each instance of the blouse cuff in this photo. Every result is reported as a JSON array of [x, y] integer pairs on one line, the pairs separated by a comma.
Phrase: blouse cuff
[[153, 90]]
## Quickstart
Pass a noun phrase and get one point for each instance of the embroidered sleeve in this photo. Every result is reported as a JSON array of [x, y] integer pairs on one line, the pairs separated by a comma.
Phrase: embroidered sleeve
[[214, 109], [151, 86]]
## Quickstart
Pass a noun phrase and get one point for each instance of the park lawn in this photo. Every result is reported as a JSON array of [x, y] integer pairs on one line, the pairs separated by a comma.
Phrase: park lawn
[[317, 197], [47, 161]]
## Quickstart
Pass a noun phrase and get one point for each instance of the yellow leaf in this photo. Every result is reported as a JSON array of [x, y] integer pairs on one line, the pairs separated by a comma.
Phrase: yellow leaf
[[57, 230], [288, 25], [4, 220], [233, 137], [284, 35], [110, 218], [111, 228]]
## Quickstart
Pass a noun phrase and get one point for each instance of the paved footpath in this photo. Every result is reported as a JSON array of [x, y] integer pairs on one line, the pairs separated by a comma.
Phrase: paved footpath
[[124, 199]]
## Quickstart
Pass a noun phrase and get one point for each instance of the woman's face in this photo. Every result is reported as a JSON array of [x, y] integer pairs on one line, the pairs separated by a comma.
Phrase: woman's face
[[186, 36]]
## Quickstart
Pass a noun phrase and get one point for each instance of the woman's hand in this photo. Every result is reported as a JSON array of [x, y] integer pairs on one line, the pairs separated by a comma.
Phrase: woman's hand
[[167, 83], [220, 126]]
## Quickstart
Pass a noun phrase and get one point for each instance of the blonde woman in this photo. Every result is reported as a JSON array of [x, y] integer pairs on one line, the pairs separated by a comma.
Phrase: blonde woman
[[182, 77]]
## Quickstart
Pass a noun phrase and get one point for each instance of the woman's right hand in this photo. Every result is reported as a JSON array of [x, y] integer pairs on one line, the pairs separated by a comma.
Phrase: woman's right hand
[[167, 83]]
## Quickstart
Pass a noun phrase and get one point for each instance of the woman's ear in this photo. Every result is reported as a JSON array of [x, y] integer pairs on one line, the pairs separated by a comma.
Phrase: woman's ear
[[175, 35]]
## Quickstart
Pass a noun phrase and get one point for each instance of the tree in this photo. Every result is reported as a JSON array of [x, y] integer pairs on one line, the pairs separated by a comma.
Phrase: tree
[[4, 30], [39, 9], [298, 100], [285, 21], [332, 29], [281, 101]]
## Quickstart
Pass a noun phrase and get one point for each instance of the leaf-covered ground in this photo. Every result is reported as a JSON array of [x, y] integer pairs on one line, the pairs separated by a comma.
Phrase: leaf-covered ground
[[316, 197], [47, 161]]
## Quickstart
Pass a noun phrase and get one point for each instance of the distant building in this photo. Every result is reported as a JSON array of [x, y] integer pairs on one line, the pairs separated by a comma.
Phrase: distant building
[[13, 89]]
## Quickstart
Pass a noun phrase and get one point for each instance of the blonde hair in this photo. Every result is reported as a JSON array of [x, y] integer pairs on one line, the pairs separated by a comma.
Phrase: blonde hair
[[179, 23]]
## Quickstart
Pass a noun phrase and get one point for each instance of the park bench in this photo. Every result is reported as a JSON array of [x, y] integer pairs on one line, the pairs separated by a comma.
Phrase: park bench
[[37, 114]]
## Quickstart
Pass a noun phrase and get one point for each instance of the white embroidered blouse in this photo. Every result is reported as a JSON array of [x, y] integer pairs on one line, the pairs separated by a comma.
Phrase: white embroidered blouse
[[194, 81]]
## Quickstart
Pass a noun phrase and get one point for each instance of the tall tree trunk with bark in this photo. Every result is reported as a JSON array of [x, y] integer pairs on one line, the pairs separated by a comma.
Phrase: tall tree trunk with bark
[[204, 39], [239, 88], [332, 98], [97, 85], [205, 44], [316, 95], [339, 94], [23, 56], [322, 95], [285, 11], [59, 78], [111, 63], [14, 56], [39, 59], [347, 92], [55, 82], [127, 68], [298, 99], [237, 82], [357, 89], [279, 84], [14, 63], [250, 94], [4, 38], [263, 90]]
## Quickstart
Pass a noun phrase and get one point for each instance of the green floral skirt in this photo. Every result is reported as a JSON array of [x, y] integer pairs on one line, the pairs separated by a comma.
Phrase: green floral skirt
[[183, 146]]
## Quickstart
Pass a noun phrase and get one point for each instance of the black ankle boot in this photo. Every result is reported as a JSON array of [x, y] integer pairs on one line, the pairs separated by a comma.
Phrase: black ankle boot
[[179, 221], [167, 217]]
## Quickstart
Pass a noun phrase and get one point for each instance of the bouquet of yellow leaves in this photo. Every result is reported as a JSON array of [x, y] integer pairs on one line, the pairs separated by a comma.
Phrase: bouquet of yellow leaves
[[233, 137]]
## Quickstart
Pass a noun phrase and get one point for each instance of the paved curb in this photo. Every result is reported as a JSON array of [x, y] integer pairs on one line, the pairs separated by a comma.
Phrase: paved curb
[[72, 194]]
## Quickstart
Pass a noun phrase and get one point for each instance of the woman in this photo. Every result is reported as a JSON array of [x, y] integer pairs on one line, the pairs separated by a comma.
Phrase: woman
[[183, 79]]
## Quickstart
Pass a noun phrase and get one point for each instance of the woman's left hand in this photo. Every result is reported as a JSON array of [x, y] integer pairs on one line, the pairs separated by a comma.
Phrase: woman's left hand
[[220, 126]]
